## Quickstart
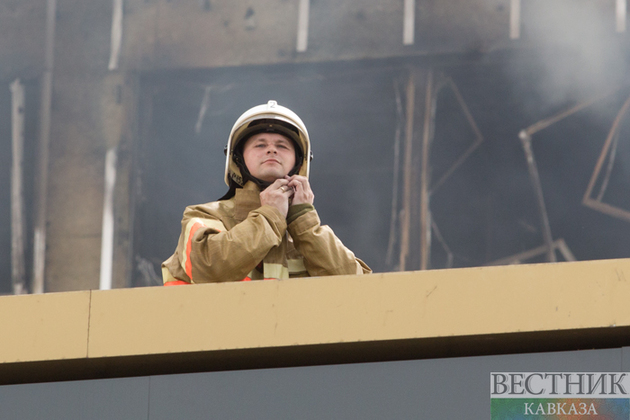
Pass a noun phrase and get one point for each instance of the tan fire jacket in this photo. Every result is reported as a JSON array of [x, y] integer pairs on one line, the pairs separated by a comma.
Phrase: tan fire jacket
[[238, 239]]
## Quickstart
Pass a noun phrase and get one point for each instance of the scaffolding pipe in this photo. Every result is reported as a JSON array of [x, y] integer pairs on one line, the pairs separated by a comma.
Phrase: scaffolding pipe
[[472, 148], [609, 168], [205, 103], [409, 22], [449, 254], [602, 157], [558, 244], [526, 140], [397, 136], [117, 33], [107, 238], [515, 19], [18, 265], [425, 211], [621, 12], [542, 124], [41, 184], [302, 30], [407, 171]]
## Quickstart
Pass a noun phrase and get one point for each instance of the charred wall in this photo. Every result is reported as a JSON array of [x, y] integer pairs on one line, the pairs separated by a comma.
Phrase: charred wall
[[349, 83]]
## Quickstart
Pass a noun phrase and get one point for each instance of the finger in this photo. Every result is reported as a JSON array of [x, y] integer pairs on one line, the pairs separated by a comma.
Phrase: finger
[[297, 188], [296, 182], [296, 177], [279, 182], [286, 190], [303, 189]]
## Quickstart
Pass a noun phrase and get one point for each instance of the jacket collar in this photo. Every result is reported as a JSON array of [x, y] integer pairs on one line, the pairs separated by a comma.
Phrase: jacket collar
[[246, 199]]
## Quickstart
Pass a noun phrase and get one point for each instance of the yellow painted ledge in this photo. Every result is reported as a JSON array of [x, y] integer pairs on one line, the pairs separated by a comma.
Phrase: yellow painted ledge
[[394, 308], [44, 327]]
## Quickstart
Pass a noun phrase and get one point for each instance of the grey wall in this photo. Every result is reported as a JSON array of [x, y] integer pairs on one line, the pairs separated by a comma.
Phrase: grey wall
[[454, 388]]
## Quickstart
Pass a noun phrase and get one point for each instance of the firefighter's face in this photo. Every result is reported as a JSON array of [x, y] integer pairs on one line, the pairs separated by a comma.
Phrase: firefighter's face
[[269, 156]]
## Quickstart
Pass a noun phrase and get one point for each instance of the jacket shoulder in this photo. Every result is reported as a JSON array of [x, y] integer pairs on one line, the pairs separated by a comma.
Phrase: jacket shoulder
[[214, 209]]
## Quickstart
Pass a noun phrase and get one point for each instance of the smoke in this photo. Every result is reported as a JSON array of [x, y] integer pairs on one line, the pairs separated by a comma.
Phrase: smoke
[[573, 49]]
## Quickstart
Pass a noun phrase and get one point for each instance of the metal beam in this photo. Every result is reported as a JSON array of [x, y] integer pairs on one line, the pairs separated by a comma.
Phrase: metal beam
[[409, 22], [41, 184], [107, 238], [18, 265], [621, 12], [526, 141], [407, 171], [515, 19], [302, 31], [427, 138], [117, 33]]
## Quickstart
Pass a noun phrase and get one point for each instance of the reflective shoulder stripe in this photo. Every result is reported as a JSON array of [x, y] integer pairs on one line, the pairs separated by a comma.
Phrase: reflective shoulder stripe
[[212, 224], [175, 283], [276, 271], [296, 266], [167, 277], [189, 237], [359, 268], [255, 275], [192, 226]]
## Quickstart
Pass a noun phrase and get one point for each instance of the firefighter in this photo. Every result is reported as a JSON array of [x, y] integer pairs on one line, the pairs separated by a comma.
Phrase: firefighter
[[265, 226]]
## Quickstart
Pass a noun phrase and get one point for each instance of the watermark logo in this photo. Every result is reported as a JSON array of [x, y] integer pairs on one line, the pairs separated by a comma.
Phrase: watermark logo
[[560, 395]]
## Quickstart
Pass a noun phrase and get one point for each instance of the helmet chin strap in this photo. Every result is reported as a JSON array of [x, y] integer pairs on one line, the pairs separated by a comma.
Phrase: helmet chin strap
[[261, 184], [246, 176]]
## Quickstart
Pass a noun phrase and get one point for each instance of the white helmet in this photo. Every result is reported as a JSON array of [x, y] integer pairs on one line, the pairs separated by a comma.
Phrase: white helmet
[[269, 117]]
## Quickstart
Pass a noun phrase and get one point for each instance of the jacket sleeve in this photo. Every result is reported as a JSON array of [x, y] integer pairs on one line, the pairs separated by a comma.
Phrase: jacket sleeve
[[323, 252], [208, 252]]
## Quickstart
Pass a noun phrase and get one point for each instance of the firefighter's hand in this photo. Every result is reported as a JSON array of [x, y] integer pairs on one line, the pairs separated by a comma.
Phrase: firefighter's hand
[[301, 186], [277, 195]]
